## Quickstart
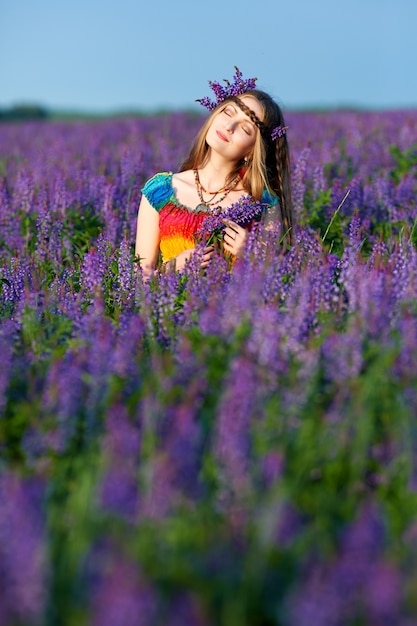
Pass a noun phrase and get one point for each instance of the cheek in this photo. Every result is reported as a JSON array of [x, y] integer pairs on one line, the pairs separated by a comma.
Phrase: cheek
[[248, 142]]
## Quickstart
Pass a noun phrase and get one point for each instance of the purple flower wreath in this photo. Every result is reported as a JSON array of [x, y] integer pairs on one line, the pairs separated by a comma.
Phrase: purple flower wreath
[[238, 87]]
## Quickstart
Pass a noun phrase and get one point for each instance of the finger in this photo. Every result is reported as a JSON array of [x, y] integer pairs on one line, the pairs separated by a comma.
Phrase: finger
[[205, 262], [230, 223], [229, 246], [233, 226], [232, 236], [206, 257]]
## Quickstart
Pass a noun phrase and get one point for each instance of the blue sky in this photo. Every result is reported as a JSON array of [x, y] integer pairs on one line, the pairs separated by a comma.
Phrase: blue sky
[[102, 56]]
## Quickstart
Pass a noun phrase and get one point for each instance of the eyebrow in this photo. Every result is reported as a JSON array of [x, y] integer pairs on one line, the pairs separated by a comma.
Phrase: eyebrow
[[237, 109]]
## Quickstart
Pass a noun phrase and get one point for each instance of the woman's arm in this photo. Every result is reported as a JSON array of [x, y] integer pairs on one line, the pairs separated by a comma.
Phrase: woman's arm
[[147, 237]]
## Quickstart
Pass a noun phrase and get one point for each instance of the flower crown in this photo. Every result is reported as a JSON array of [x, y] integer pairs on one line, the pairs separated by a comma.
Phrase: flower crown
[[238, 87]]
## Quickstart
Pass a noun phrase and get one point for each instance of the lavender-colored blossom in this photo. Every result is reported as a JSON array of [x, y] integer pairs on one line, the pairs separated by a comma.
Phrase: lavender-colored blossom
[[232, 441], [359, 585], [13, 281], [125, 270], [122, 596], [48, 231], [64, 396], [384, 193], [128, 349], [400, 276], [342, 356], [243, 212], [356, 195], [238, 87], [94, 267], [354, 230], [319, 183], [278, 131], [199, 289], [119, 489], [22, 551], [299, 181]]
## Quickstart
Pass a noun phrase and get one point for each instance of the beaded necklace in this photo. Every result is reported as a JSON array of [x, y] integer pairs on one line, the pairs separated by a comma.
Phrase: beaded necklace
[[224, 190]]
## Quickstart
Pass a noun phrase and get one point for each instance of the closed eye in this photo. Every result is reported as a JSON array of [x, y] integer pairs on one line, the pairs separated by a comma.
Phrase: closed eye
[[230, 111], [248, 128]]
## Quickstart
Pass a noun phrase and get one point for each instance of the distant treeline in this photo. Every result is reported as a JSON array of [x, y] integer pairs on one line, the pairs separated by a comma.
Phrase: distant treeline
[[23, 112]]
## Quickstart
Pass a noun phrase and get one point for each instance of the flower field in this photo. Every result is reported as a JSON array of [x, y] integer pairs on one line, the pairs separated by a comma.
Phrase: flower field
[[219, 448]]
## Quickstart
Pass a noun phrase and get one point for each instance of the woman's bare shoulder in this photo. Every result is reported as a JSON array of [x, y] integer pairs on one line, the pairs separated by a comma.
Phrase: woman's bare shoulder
[[184, 178]]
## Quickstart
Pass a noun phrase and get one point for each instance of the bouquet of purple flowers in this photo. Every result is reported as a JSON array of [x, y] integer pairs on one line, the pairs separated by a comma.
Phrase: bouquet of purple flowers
[[243, 212]]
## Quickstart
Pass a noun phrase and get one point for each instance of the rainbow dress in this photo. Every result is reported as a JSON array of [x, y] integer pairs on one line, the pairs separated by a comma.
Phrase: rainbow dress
[[178, 224]]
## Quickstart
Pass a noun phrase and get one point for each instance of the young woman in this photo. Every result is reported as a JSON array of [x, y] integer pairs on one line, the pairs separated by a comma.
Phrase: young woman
[[241, 152]]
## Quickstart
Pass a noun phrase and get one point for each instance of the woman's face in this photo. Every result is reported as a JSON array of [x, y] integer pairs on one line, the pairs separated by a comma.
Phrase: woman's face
[[232, 133]]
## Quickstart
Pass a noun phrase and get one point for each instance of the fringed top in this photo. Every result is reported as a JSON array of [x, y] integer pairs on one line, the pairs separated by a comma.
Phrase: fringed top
[[178, 224]]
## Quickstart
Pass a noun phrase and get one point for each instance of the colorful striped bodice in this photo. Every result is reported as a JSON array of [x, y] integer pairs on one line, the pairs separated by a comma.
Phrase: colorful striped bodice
[[178, 224]]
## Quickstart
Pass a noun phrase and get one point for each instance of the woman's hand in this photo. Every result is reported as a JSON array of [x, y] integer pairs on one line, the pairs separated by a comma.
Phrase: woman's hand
[[181, 258], [234, 239]]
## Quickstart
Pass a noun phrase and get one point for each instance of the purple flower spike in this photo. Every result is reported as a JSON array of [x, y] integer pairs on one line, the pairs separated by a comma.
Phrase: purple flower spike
[[243, 212], [279, 131], [221, 93]]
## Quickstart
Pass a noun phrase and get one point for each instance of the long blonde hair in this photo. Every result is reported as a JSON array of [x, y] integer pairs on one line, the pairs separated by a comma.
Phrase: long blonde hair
[[269, 167]]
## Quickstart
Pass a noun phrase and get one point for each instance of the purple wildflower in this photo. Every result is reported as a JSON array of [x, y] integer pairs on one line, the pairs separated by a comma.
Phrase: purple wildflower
[[243, 212], [15, 277], [238, 87], [359, 585], [119, 489], [125, 273], [278, 131], [95, 265], [342, 355], [299, 181], [232, 441], [22, 552], [355, 230], [122, 596], [64, 396], [319, 181]]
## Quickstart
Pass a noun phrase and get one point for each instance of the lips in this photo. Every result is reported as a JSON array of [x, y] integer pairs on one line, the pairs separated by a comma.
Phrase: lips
[[222, 135]]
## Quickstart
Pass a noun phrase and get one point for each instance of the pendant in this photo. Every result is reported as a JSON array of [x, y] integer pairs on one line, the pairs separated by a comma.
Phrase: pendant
[[202, 208]]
